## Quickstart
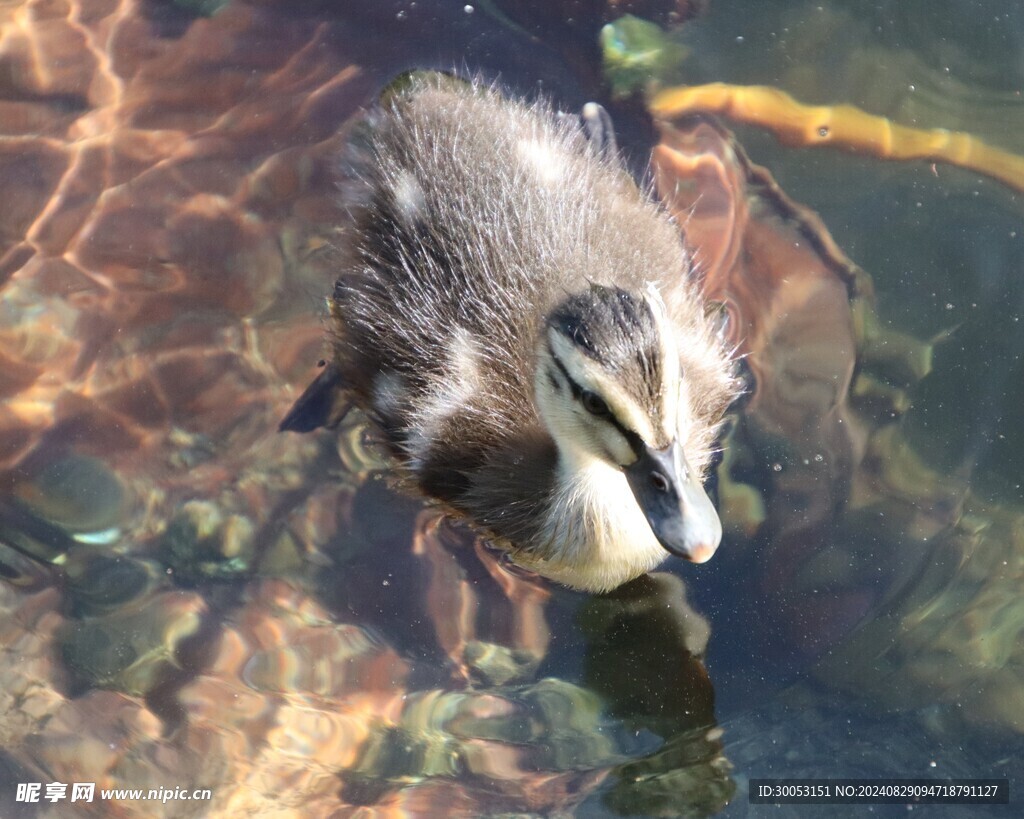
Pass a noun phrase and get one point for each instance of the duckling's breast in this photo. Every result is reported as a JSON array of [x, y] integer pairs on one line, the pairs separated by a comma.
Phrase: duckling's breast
[[593, 535]]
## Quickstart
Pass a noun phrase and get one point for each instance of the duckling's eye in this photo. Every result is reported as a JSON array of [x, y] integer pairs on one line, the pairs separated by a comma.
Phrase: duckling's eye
[[594, 404]]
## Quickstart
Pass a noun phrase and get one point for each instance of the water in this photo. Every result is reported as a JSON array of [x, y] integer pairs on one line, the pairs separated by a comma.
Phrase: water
[[192, 600]]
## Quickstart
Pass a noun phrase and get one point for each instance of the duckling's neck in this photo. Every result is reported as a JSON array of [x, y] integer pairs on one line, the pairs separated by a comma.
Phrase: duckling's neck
[[599, 537]]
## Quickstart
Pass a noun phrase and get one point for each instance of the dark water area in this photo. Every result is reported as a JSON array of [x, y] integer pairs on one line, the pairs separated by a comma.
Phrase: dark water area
[[189, 599]]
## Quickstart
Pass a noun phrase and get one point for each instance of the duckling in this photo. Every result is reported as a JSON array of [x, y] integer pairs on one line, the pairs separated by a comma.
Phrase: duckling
[[522, 326]]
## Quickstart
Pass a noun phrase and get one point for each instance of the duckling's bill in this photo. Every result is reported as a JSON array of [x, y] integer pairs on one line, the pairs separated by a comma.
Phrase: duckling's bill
[[679, 511]]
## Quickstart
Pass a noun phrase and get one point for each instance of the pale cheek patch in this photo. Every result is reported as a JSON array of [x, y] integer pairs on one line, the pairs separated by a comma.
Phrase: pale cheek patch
[[616, 446]]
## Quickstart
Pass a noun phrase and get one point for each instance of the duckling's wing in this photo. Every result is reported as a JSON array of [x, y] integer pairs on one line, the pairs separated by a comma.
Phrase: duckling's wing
[[324, 403], [600, 131]]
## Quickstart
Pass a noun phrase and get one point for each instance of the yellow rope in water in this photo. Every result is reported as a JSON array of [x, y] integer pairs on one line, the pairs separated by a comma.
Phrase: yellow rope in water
[[842, 126]]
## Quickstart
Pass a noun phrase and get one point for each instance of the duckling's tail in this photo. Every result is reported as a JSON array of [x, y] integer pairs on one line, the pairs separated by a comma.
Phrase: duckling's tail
[[323, 403]]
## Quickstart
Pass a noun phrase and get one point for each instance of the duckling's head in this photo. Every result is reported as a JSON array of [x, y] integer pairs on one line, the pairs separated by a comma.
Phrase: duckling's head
[[609, 388]]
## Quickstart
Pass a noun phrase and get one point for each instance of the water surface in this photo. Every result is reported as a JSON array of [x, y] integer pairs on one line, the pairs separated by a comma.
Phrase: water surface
[[192, 600]]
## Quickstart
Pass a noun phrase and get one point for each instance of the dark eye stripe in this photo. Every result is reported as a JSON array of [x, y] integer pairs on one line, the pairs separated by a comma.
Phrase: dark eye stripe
[[635, 442], [595, 404]]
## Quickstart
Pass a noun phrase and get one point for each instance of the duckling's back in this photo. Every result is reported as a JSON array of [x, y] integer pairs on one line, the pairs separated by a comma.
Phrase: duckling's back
[[474, 215]]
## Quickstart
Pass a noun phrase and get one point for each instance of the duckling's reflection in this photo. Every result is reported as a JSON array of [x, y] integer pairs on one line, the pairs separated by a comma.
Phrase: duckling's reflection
[[644, 645], [490, 697]]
